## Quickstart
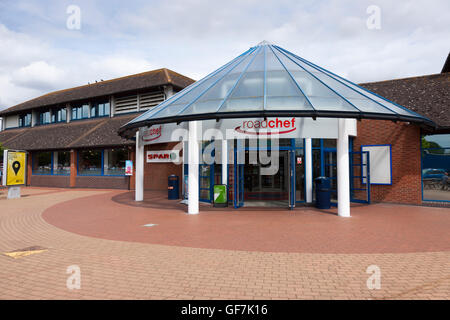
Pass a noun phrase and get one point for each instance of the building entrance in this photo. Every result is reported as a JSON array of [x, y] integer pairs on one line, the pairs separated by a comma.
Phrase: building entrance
[[277, 183], [267, 189]]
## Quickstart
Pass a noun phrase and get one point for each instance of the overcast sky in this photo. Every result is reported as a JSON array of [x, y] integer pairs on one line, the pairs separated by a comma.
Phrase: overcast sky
[[39, 53]]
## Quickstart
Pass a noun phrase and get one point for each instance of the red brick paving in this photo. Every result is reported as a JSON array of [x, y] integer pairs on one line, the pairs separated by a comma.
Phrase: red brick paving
[[378, 228], [130, 270]]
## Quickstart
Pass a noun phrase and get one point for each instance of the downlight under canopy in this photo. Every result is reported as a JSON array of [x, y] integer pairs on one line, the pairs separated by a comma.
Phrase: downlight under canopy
[[268, 80]]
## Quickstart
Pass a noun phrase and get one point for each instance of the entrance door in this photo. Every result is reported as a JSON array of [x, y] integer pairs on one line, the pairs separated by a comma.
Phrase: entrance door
[[330, 170], [262, 189], [206, 176], [359, 175], [238, 182]]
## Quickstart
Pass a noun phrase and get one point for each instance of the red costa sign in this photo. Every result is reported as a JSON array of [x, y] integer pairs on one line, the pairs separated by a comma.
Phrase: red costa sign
[[152, 133], [273, 126]]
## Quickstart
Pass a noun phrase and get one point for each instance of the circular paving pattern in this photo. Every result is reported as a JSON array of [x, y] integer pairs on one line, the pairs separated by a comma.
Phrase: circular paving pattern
[[377, 228]]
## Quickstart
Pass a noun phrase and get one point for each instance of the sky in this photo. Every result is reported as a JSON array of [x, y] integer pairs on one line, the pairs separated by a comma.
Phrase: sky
[[43, 48]]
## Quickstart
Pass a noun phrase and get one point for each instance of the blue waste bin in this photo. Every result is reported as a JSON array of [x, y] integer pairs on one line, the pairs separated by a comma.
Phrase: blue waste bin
[[173, 187], [323, 193]]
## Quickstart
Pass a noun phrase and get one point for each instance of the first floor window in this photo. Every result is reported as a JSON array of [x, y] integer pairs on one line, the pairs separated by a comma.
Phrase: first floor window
[[42, 163], [25, 120], [114, 160], [59, 115], [100, 109], [44, 117], [61, 162], [90, 162], [80, 112]]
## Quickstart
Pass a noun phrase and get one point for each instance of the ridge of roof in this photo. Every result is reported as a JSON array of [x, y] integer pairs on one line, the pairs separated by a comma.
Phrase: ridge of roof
[[167, 74], [433, 75]]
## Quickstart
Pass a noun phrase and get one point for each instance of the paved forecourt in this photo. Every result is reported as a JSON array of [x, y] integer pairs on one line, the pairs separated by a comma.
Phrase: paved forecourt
[[135, 270]]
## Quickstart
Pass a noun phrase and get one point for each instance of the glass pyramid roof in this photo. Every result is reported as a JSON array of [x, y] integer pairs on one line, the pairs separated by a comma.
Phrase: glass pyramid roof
[[268, 80]]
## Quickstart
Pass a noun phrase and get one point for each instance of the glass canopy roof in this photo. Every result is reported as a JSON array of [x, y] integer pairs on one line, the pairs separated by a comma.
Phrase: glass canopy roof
[[268, 80]]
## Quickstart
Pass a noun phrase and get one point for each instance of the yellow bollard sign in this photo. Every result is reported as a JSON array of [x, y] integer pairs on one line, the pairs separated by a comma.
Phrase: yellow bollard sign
[[15, 168]]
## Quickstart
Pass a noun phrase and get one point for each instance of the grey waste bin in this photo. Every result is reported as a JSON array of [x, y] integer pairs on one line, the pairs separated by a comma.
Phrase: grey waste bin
[[323, 193]]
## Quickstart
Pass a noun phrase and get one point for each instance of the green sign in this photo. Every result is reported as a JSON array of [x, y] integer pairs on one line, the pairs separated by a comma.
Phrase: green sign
[[220, 195]]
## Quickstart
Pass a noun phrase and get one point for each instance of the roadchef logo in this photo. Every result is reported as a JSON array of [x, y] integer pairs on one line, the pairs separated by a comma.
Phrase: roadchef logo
[[269, 126], [152, 133]]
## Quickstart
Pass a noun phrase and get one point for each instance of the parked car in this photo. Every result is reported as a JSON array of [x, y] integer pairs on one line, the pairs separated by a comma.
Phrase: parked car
[[437, 174]]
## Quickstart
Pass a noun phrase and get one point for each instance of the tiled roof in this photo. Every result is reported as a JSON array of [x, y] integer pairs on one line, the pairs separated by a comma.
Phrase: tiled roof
[[427, 95], [149, 79], [100, 132]]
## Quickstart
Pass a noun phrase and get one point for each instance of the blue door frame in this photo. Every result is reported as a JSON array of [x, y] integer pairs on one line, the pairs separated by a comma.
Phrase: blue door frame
[[238, 182], [211, 181], [364, 178]]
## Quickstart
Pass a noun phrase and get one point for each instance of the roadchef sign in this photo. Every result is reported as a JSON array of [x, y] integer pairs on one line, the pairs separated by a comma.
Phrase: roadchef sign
[[163, 156]]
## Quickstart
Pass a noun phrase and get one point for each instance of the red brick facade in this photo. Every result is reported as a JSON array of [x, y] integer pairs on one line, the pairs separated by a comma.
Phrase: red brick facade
[[74, 180], [406, 170], [156, 174]]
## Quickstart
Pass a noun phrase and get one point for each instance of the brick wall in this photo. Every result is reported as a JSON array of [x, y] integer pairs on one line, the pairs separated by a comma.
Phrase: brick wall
[[406, 171], [156, 174], [50, 181], [102, 182]]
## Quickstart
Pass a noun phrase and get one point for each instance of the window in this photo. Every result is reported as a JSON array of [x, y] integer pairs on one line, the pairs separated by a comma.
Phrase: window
[[108, 162], [100, 109], [90, 162], [25, 120], [114, 161], [44, 117], [80, 112], [42, 163], [61, 161], [59, 115], [436, 167]]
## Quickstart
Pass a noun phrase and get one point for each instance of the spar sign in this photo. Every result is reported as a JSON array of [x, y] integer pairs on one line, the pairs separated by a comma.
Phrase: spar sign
[[267, 126], [163, 156]]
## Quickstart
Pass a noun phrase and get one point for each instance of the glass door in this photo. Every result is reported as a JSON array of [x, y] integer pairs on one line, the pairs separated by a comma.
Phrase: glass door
[[206, 176]]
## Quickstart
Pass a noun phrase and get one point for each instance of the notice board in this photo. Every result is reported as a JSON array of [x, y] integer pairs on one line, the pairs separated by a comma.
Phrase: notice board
[[380, 163]]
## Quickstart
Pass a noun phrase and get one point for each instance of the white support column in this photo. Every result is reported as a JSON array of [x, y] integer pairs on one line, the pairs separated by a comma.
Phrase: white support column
[[308, 170], [224, 162], [139, 183], [343, 172], [193, 186]]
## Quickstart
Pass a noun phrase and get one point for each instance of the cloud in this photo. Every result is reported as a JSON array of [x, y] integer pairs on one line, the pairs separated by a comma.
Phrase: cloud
[[38, 75], [195, 37], [31, 67]]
